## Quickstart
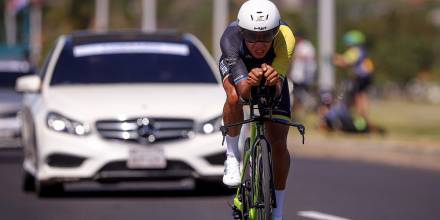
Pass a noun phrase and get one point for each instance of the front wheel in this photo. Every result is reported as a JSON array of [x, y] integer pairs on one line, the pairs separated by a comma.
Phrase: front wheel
[[246, 183], [263, 186]]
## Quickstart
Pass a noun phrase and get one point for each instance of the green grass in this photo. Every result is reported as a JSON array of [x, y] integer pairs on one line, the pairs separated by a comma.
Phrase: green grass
[[407, 120], [403, 121]]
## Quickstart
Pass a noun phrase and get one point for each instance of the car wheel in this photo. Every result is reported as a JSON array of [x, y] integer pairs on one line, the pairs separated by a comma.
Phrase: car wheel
[[45, 189], [28, 182]]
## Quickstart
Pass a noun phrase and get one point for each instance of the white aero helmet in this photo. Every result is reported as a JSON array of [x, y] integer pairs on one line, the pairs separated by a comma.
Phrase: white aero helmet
[[259, 20]]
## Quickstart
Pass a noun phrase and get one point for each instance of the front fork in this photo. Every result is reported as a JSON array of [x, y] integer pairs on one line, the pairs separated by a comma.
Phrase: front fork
[[246, 184]]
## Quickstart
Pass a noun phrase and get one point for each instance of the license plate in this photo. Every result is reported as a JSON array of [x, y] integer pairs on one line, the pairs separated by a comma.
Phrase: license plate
[[143, 158]]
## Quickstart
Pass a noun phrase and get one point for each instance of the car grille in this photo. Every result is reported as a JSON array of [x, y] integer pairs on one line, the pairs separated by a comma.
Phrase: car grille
[[171, 165], [118, 170], [146, 130], [8, 114]]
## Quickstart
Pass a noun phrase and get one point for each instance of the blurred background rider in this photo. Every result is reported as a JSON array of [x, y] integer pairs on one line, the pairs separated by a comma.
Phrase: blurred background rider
[[356, 59]]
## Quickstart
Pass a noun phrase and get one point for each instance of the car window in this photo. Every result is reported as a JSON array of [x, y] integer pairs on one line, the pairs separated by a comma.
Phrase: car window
[[131, 62]]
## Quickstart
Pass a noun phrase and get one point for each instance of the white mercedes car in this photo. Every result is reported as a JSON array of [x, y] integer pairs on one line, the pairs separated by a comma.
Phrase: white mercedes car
[[122, 106]]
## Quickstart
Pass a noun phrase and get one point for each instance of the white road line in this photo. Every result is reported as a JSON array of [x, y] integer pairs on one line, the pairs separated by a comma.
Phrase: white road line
[[319, 215]]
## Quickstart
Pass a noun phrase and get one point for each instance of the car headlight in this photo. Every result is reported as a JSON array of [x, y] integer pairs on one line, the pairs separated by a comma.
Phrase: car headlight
[[61, 123], [211, 125]]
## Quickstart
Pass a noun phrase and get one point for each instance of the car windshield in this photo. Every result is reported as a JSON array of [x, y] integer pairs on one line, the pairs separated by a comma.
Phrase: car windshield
[[131, 62]]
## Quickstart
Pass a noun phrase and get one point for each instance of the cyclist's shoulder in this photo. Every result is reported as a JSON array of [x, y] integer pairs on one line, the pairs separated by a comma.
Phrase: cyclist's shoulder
[[285, 36], [284, 43], [232, 30], [231, 38], [283, 46], [233, 24]]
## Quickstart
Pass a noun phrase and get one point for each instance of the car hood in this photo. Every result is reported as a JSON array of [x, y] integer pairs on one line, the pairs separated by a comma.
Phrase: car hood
[[97, 102]]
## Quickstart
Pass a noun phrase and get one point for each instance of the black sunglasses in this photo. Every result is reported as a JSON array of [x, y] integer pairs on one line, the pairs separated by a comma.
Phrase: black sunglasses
[[258, 36]]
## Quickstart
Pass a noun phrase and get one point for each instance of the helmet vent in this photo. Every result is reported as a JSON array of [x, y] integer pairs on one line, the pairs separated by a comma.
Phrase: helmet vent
[[252, 17]]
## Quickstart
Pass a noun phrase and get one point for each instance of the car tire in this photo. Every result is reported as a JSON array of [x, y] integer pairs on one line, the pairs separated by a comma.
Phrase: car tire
[[45, 189], [28, 182]]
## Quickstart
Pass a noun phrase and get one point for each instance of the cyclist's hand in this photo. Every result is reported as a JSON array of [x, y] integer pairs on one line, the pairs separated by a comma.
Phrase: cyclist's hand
[[271, 75], [255, 76]]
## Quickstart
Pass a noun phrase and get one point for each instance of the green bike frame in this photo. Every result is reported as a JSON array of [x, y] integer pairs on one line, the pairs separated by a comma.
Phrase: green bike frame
[[246, 157], [258, 176]]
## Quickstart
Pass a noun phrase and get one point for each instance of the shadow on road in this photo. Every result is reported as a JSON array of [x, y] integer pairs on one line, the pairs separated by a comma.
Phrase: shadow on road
[[11, 155], [198, 192], [201, 190]]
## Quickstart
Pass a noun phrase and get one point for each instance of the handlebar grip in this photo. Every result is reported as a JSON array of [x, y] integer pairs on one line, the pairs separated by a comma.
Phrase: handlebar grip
[[263, 94]]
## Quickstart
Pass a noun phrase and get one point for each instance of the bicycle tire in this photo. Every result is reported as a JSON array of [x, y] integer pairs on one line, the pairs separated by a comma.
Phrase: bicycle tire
[[264, 185], [245, 190]]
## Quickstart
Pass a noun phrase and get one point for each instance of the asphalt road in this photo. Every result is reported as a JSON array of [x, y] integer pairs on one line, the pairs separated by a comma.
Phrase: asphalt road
[[318, 189]]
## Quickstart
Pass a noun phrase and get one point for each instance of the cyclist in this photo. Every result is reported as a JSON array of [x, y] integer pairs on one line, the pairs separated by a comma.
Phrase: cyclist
[[356, 58], [258, 44]]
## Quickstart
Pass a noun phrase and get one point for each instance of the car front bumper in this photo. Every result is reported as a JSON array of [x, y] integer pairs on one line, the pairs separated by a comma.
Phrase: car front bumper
[[69, 158]]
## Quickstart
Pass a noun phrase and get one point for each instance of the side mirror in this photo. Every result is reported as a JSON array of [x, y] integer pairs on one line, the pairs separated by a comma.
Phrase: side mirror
[[28, 84]]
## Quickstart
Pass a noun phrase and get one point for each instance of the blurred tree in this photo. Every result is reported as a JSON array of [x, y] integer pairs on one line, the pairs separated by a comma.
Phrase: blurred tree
[[401, 38], [125, 14], [2, 24], [401, 35], [193, 16], [65, 16]]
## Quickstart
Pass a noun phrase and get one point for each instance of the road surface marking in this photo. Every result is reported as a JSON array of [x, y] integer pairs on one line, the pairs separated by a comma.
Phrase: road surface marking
[[319, 215]]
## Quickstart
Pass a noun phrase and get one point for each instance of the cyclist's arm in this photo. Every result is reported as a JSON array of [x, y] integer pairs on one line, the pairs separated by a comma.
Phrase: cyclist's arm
[[231, 64], [349, 58], [254, 77], [284, 44]]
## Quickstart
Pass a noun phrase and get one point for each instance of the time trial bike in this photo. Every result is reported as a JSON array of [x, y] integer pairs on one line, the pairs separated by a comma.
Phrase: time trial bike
[[255, 196]]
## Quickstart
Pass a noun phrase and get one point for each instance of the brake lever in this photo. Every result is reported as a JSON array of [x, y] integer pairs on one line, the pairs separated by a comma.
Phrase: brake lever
[[302, 131]]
